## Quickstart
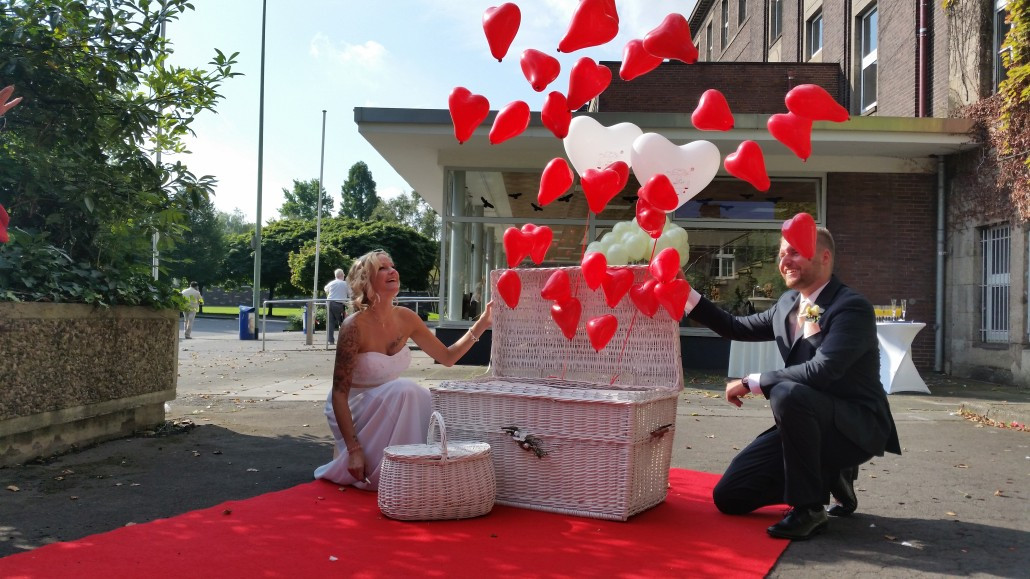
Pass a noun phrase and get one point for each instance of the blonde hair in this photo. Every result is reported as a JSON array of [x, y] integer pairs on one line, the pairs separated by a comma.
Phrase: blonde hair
[[362, 272]]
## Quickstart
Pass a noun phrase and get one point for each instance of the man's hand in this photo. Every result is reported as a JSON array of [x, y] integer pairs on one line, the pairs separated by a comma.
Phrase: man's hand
[[735, 390]]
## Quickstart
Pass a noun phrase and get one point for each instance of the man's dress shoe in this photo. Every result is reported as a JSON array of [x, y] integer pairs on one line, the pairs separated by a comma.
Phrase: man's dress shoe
[[800, 523], [843, 491]]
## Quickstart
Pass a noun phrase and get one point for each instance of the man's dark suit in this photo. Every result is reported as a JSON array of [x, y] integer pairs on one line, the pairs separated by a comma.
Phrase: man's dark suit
[[847, 419]]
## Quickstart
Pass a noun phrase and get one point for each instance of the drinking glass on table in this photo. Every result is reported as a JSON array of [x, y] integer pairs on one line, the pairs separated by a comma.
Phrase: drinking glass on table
[[904, 306], [894, 309]]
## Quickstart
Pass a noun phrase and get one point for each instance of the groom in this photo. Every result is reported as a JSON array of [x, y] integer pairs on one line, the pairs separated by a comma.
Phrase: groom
[[830, 409]]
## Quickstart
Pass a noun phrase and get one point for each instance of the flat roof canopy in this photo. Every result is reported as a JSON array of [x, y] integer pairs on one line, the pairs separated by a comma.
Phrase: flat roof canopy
[[420, 145]]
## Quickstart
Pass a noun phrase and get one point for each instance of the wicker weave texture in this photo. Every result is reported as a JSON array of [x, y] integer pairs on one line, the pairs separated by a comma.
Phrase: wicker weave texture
[[434, 481], [527, 342]]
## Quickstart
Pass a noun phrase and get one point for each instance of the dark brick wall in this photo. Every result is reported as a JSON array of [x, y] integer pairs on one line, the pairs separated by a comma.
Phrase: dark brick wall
[[675, 87], [884, 228]]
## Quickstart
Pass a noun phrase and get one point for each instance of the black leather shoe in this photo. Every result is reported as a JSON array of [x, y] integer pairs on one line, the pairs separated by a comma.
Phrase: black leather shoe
[[800, 524], [843, 491]]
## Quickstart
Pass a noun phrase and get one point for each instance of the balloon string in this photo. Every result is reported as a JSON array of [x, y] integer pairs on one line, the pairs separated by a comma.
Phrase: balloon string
[[618, 363]]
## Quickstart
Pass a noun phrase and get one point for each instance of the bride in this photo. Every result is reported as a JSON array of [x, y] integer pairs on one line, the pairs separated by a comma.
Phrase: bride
[[370, 406]]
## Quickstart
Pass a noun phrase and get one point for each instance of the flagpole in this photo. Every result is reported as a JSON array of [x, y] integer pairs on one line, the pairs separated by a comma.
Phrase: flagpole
[[318, 245]]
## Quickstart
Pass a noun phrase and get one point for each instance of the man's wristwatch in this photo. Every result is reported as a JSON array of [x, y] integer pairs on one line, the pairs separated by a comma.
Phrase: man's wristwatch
[[746, 383]]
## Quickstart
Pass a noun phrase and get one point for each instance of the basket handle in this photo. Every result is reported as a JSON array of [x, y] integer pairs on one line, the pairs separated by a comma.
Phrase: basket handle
[[434, 419]]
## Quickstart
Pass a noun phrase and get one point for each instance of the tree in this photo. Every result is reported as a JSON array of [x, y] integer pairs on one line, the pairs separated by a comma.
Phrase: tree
[[412, 210], [358, 193], [302, 266], [198, 256], [302, 201], [77, 173], [235, 222]]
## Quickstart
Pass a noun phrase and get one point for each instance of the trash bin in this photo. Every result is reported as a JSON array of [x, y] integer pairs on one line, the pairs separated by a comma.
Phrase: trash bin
[[248, 323]]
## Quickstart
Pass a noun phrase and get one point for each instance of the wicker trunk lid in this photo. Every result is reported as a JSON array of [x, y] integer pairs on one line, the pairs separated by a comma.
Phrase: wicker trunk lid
[[573, 430]]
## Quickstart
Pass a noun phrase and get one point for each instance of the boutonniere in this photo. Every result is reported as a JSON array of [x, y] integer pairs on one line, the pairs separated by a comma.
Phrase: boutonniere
[[812, 314]]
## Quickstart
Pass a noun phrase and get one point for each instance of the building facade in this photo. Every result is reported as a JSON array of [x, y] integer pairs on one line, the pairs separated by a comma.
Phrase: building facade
[[913, 59]]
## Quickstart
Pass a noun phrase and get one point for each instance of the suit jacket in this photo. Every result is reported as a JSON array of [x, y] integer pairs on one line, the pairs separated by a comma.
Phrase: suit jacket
[[842, 359]]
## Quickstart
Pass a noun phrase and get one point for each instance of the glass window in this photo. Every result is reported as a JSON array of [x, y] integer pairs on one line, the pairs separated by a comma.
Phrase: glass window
[[814, 32], [867, 45], [994, 291], [741, 11], [1001, 30], [775, 20], [725, 24], [708, 42], [733, 232]]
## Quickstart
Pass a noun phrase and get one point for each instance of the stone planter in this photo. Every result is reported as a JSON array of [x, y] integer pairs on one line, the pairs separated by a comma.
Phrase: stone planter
[[74, 375]]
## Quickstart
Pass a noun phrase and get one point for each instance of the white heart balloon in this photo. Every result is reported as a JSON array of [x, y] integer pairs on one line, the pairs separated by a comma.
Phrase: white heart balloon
[[690, 167], [591, 145]]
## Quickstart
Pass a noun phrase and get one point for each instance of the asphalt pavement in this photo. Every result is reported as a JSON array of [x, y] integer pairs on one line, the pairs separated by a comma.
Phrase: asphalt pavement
[[248, 419]]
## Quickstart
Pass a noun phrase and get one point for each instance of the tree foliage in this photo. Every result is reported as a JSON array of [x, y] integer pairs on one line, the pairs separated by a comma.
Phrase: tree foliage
[[302, 266], [198, 256], [302, 201], [235, 222], [412, 210], [359, 198], [76, 167]]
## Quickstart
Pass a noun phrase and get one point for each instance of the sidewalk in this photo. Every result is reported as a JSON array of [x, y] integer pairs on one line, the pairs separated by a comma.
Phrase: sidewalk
[[247, 421]]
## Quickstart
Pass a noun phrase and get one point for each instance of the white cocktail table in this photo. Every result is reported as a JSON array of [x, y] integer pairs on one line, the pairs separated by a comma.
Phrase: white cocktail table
[[897, 372]]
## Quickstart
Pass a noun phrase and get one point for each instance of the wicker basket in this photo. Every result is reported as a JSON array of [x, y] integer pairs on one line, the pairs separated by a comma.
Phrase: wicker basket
[[572, 430], [424, 482]]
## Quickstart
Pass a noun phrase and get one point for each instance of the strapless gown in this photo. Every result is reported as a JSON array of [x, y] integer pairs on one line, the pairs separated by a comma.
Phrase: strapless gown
[[386, 409]]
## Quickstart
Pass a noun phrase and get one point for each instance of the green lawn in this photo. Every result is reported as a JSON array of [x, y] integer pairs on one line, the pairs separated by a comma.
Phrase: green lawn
[[279, 312]]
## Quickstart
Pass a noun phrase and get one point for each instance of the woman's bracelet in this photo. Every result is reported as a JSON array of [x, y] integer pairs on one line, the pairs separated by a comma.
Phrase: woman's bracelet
[[353, 449], [473, 336]]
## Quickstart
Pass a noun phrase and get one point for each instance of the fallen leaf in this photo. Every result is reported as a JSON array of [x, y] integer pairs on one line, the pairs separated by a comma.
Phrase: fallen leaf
[[951, 514], [331, 558], [74, 498], [13, 488], [998, 493], [961, 466], [890, 537], [252, 470], [227, 512]]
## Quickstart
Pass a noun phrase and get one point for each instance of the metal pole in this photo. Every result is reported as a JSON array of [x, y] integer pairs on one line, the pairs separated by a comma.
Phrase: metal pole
[[318, 246], [155, 256], [260, 163]]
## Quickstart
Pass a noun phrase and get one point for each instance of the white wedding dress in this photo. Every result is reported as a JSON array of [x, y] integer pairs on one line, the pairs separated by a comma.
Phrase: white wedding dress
[[386, 409]]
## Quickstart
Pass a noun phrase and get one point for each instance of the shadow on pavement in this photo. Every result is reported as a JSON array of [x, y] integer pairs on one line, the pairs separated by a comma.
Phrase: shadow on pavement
[[139, 479]]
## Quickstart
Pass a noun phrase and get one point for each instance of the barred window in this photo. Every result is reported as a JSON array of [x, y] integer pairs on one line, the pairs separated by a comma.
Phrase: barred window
[[995, 243]]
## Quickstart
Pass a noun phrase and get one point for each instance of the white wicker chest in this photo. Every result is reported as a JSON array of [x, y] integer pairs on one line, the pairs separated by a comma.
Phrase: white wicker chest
[[573, 430]]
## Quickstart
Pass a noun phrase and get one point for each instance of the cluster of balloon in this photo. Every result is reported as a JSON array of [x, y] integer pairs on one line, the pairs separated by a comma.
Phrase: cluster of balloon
[[530, 241], [604, 156], [628, 242]]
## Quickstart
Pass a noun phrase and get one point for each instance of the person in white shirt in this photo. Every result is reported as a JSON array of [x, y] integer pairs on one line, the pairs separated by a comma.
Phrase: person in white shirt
[[194, 301], [338, 293]]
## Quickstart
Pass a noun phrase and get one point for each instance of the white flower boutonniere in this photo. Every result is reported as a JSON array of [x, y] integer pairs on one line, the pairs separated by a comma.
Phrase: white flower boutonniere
[[812, 313]]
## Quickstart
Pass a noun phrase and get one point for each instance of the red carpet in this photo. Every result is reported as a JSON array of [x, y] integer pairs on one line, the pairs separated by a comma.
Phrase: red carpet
[[315, 530]]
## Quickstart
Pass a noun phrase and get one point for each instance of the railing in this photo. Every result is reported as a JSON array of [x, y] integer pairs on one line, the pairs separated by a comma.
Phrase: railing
[[311, 304]]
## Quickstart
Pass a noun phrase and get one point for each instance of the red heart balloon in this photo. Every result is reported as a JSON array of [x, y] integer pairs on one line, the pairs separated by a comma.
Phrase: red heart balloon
[[539, 241], [554, 181], [587, 80], [594, 23], [501, 24], [636, 61], [748, 164], [800, 232], [599, 187], [665, 265], [622, 168], [660, 193], [557, 287], [649, 218], [4, 220], [615, 285], [793, 131], [712, 112], [516, 246], [814, 103], [555, 114], [467, 112], [671, 39], [673, 296], [509, 287], [566, 314], [509, 122], [643, 297], [540, 68], [601, 329], [594, 267]]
